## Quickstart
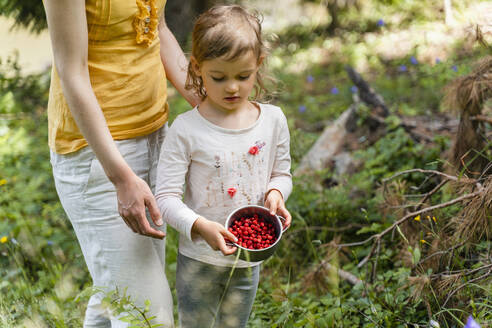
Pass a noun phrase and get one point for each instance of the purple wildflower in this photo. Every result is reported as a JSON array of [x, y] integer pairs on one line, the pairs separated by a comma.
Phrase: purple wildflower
[[302, 109], [414, 60], [454, 68], [380, 22], [354, 89], [334, 91], [402, 68], [309, 79], [438, 61], [470, 323], [50, 242]]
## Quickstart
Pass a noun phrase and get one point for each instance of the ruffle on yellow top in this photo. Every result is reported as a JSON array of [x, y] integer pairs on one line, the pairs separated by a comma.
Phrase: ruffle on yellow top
[[146, 22]]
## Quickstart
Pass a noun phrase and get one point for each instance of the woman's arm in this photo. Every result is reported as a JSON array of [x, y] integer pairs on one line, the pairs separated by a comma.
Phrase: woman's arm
[[175, 62], [67, 25]]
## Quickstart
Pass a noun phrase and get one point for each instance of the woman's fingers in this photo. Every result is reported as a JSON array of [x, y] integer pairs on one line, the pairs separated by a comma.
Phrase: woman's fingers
[[126, 215], [133, 198], [129, 223], [143, 225], [155, 214], [136, 219], [146, 229]]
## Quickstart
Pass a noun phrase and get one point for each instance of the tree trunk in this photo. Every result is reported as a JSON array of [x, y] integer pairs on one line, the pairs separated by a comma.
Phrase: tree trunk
[[181, 15], [448, 12], [333, 11]]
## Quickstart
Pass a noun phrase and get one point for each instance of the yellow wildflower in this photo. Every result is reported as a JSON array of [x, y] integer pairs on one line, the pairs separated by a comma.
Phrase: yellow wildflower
[[434, 219], [417, 218], [423, 241], [2, 182], [4, 239], [428, 217]]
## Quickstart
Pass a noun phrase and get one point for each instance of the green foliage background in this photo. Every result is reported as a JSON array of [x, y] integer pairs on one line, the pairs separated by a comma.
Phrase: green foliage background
[[44, 278]]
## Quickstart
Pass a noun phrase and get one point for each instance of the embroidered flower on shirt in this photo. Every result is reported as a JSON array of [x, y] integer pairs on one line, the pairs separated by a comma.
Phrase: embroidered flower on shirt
[[217, 161], [231, 191], [254, 150]]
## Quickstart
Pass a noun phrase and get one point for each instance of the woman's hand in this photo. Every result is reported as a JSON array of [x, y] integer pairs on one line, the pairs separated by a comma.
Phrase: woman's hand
[[134, 196], [275, 202], [214, 234]]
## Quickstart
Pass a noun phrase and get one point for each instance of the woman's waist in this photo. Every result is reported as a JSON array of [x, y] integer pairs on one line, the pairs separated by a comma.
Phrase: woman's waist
[[121, 52], [120, 40]]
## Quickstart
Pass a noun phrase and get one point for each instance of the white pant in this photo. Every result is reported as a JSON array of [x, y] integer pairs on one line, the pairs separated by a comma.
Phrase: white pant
[[115, 255]]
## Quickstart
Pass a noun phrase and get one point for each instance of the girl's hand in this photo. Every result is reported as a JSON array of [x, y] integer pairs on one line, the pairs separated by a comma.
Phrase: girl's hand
[[275, 202], [214, 234], [134, 196]]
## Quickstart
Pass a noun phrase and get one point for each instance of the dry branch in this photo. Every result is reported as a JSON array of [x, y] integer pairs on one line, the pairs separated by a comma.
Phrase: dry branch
[[447, 176], [378, 236], [481, 118], [366, 93], [345, 275], [455, 290]]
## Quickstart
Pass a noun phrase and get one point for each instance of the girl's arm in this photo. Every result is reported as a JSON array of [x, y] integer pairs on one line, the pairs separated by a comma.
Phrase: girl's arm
[[69, 37], [175, 62], [280, 185], [172, 170]]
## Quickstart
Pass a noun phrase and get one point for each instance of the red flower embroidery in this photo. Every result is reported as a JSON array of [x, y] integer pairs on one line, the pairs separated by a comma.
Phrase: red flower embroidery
[[254, 150], [231, 191]]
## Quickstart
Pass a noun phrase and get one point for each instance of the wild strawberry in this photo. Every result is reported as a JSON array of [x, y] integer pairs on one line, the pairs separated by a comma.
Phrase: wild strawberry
[[253, 232]]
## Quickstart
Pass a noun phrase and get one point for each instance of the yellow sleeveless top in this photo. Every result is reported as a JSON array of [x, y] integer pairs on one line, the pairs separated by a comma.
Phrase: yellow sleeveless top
[[125, 70]]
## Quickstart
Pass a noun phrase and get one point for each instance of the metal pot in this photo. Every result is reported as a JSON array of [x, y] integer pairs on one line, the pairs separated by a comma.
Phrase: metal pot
[[255, 255]]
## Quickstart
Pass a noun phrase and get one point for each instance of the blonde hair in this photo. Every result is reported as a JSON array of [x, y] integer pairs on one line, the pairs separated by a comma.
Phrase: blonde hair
[[226, 32]]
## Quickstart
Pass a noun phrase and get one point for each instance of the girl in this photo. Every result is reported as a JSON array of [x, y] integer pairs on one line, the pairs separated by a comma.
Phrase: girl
[[228, 152]]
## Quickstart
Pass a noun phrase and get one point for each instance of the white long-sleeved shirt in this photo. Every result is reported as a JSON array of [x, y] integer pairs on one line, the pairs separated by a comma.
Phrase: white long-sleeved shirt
[[203, 161]]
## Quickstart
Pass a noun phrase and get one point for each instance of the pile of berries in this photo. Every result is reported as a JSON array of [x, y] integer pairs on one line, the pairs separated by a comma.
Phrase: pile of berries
[[253, 232]]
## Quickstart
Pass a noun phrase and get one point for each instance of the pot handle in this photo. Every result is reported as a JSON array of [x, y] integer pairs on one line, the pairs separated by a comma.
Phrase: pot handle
[[283, 221]]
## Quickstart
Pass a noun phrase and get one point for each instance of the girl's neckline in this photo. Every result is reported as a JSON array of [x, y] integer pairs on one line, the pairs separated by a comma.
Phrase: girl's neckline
[[232, 131]]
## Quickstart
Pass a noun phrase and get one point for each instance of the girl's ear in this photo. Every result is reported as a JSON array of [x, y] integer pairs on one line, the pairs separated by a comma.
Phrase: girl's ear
[[260, 60], [195, 66]]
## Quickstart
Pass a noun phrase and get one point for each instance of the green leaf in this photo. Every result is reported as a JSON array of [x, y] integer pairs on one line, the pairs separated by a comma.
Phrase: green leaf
[[375, 227], [416, 255]]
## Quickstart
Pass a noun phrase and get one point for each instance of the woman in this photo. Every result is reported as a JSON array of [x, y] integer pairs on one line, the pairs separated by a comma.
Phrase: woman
[[107, 114]]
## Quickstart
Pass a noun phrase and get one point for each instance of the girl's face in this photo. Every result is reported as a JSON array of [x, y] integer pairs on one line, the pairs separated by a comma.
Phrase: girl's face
[[228, 83]]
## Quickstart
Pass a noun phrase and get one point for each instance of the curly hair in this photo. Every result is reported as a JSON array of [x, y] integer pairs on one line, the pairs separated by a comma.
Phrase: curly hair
[[226, 32]]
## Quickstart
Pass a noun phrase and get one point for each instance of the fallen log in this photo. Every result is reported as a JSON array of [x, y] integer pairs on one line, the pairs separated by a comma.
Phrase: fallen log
[[338, 135], [328, 144], [345, 275], [334, 136]]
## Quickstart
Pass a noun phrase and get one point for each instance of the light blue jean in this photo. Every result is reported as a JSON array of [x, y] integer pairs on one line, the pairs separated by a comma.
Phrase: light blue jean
[[115, 255], [200, 287]]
